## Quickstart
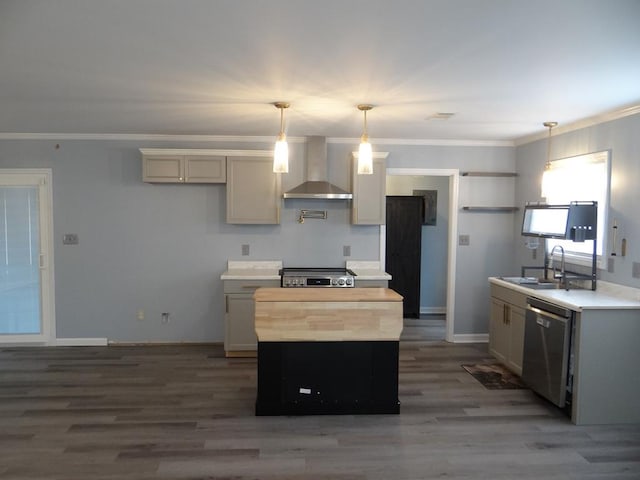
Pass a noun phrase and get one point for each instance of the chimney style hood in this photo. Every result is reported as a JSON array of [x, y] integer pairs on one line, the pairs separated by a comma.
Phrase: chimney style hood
[[317, 185]]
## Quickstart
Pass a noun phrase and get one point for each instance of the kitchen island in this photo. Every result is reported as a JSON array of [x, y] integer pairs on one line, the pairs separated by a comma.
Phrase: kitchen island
[[327, 350], [605, 355]]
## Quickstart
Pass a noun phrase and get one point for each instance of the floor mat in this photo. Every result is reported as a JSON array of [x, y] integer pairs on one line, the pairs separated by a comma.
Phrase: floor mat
[[494, 376]]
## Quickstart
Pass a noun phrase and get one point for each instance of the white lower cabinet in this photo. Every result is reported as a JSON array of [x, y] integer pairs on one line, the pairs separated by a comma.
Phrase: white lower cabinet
[[506, 329], [240, 336]]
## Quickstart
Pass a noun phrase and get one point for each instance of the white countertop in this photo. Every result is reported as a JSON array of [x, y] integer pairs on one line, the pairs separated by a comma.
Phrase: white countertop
[[579, 300], [256, 270], [269, 270], [367, 270]]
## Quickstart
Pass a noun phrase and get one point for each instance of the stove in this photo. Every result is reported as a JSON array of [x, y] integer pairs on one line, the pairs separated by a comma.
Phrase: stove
[[317, 277]]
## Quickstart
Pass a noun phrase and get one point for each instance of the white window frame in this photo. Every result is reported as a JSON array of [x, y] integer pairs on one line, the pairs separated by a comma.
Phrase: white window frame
[[573, 164]]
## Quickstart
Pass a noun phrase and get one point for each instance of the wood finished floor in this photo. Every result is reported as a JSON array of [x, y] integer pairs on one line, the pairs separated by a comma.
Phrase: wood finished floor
[[186, 412]]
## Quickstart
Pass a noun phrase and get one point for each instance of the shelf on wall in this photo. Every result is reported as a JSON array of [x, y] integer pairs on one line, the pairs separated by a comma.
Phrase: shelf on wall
[[490, 209], [488, 174]]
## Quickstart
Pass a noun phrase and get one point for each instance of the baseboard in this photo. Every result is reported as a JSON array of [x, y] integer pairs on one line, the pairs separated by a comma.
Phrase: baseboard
[[80, 342], [433, 310], [471, 338]]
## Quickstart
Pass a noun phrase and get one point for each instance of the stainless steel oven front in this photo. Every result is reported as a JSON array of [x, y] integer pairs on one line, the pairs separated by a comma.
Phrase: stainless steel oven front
[[317, 277]]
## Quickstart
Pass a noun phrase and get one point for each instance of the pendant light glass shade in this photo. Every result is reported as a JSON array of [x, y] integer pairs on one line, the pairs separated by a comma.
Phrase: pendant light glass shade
[[365, 153], [281, 150], [547, 177], [365, 158]]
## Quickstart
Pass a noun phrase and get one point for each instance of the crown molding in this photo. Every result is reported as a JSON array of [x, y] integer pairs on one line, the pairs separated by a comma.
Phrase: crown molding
[[579, 124], [194, 152], [427, 142], [140, 137]]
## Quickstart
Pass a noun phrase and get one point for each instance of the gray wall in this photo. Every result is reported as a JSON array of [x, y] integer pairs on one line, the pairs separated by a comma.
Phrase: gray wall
[[435, 238], [621, 138], [162, 248]]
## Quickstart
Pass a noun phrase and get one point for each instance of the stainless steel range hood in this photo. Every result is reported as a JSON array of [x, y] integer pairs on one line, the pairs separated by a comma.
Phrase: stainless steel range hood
[[317, 185]]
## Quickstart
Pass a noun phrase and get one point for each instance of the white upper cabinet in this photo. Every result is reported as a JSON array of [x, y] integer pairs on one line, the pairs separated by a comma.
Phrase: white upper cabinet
[[183, 166], [253, 191], [368, 206]]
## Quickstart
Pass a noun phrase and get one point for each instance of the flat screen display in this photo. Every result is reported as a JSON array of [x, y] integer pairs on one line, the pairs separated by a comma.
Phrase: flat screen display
[[545, 221]]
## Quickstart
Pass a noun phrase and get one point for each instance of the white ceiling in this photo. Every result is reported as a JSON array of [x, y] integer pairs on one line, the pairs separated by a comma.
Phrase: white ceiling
[[213, 67]]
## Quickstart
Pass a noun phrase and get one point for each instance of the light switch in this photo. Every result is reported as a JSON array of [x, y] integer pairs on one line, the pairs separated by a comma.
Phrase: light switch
[[346, 251], [635, 270], [70, 239], [245, 249]]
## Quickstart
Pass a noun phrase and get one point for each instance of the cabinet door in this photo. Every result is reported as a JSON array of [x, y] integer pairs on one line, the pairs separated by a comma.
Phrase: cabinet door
[[253, 191], [499, 331], [240, 334], [163, 168], [368, 204], [516, 339], [205, 169]]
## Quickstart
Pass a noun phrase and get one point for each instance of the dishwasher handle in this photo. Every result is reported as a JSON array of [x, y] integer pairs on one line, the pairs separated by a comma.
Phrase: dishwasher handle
[[542, 316], [543, 322]]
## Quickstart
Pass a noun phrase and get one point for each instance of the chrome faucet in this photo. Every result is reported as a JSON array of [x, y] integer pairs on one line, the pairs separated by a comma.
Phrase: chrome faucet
[[563, 275]]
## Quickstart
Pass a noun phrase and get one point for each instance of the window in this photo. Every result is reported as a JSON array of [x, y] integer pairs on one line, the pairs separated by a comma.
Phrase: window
[[580, 178]]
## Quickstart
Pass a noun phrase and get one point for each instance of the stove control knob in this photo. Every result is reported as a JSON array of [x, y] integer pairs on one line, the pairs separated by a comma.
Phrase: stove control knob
[[349, 281], [334, 281], [341, 281]]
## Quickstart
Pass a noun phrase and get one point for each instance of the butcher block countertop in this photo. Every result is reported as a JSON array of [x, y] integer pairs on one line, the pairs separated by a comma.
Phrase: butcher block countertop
[[327, 314]]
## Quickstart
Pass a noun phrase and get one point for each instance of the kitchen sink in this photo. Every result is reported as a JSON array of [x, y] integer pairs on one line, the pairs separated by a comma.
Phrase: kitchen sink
[[532, 282]]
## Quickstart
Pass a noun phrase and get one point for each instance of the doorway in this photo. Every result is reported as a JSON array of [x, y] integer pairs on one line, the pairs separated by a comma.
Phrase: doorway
[[26, 257], [452, 233]]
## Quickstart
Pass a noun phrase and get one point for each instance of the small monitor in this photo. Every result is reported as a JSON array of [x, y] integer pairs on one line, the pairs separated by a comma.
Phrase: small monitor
[[545, 221]]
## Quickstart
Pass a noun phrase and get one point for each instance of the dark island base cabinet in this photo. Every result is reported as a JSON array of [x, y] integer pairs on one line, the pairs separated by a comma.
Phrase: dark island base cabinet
[[317, 378]]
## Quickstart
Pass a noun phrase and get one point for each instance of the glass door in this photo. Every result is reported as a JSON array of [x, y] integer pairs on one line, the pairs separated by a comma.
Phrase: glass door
[[26, 266]]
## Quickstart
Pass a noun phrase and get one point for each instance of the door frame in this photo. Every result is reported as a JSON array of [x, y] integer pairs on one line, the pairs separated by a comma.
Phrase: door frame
[[47, 278], [454, 181]]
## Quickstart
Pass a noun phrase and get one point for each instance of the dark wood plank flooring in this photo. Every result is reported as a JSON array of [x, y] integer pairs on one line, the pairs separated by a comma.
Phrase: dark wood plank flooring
[[186, 412]]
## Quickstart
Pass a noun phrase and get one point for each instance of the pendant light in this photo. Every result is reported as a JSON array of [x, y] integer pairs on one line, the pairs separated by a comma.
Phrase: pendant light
[[365, 155], [547, 186], [281, 151]]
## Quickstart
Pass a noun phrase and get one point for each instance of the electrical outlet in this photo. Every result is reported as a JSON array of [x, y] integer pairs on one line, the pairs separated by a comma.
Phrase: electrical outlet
[[635, 270], [346, 251], [245, 249], [610, 265], [70, 239], [165, 317], [140, 315], [464, 240]]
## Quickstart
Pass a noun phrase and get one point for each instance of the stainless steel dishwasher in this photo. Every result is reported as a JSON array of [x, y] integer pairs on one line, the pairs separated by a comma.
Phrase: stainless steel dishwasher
[[547, 360]]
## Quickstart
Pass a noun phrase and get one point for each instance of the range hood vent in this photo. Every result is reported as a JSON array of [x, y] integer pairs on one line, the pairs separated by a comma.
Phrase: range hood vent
[[317, 185]]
